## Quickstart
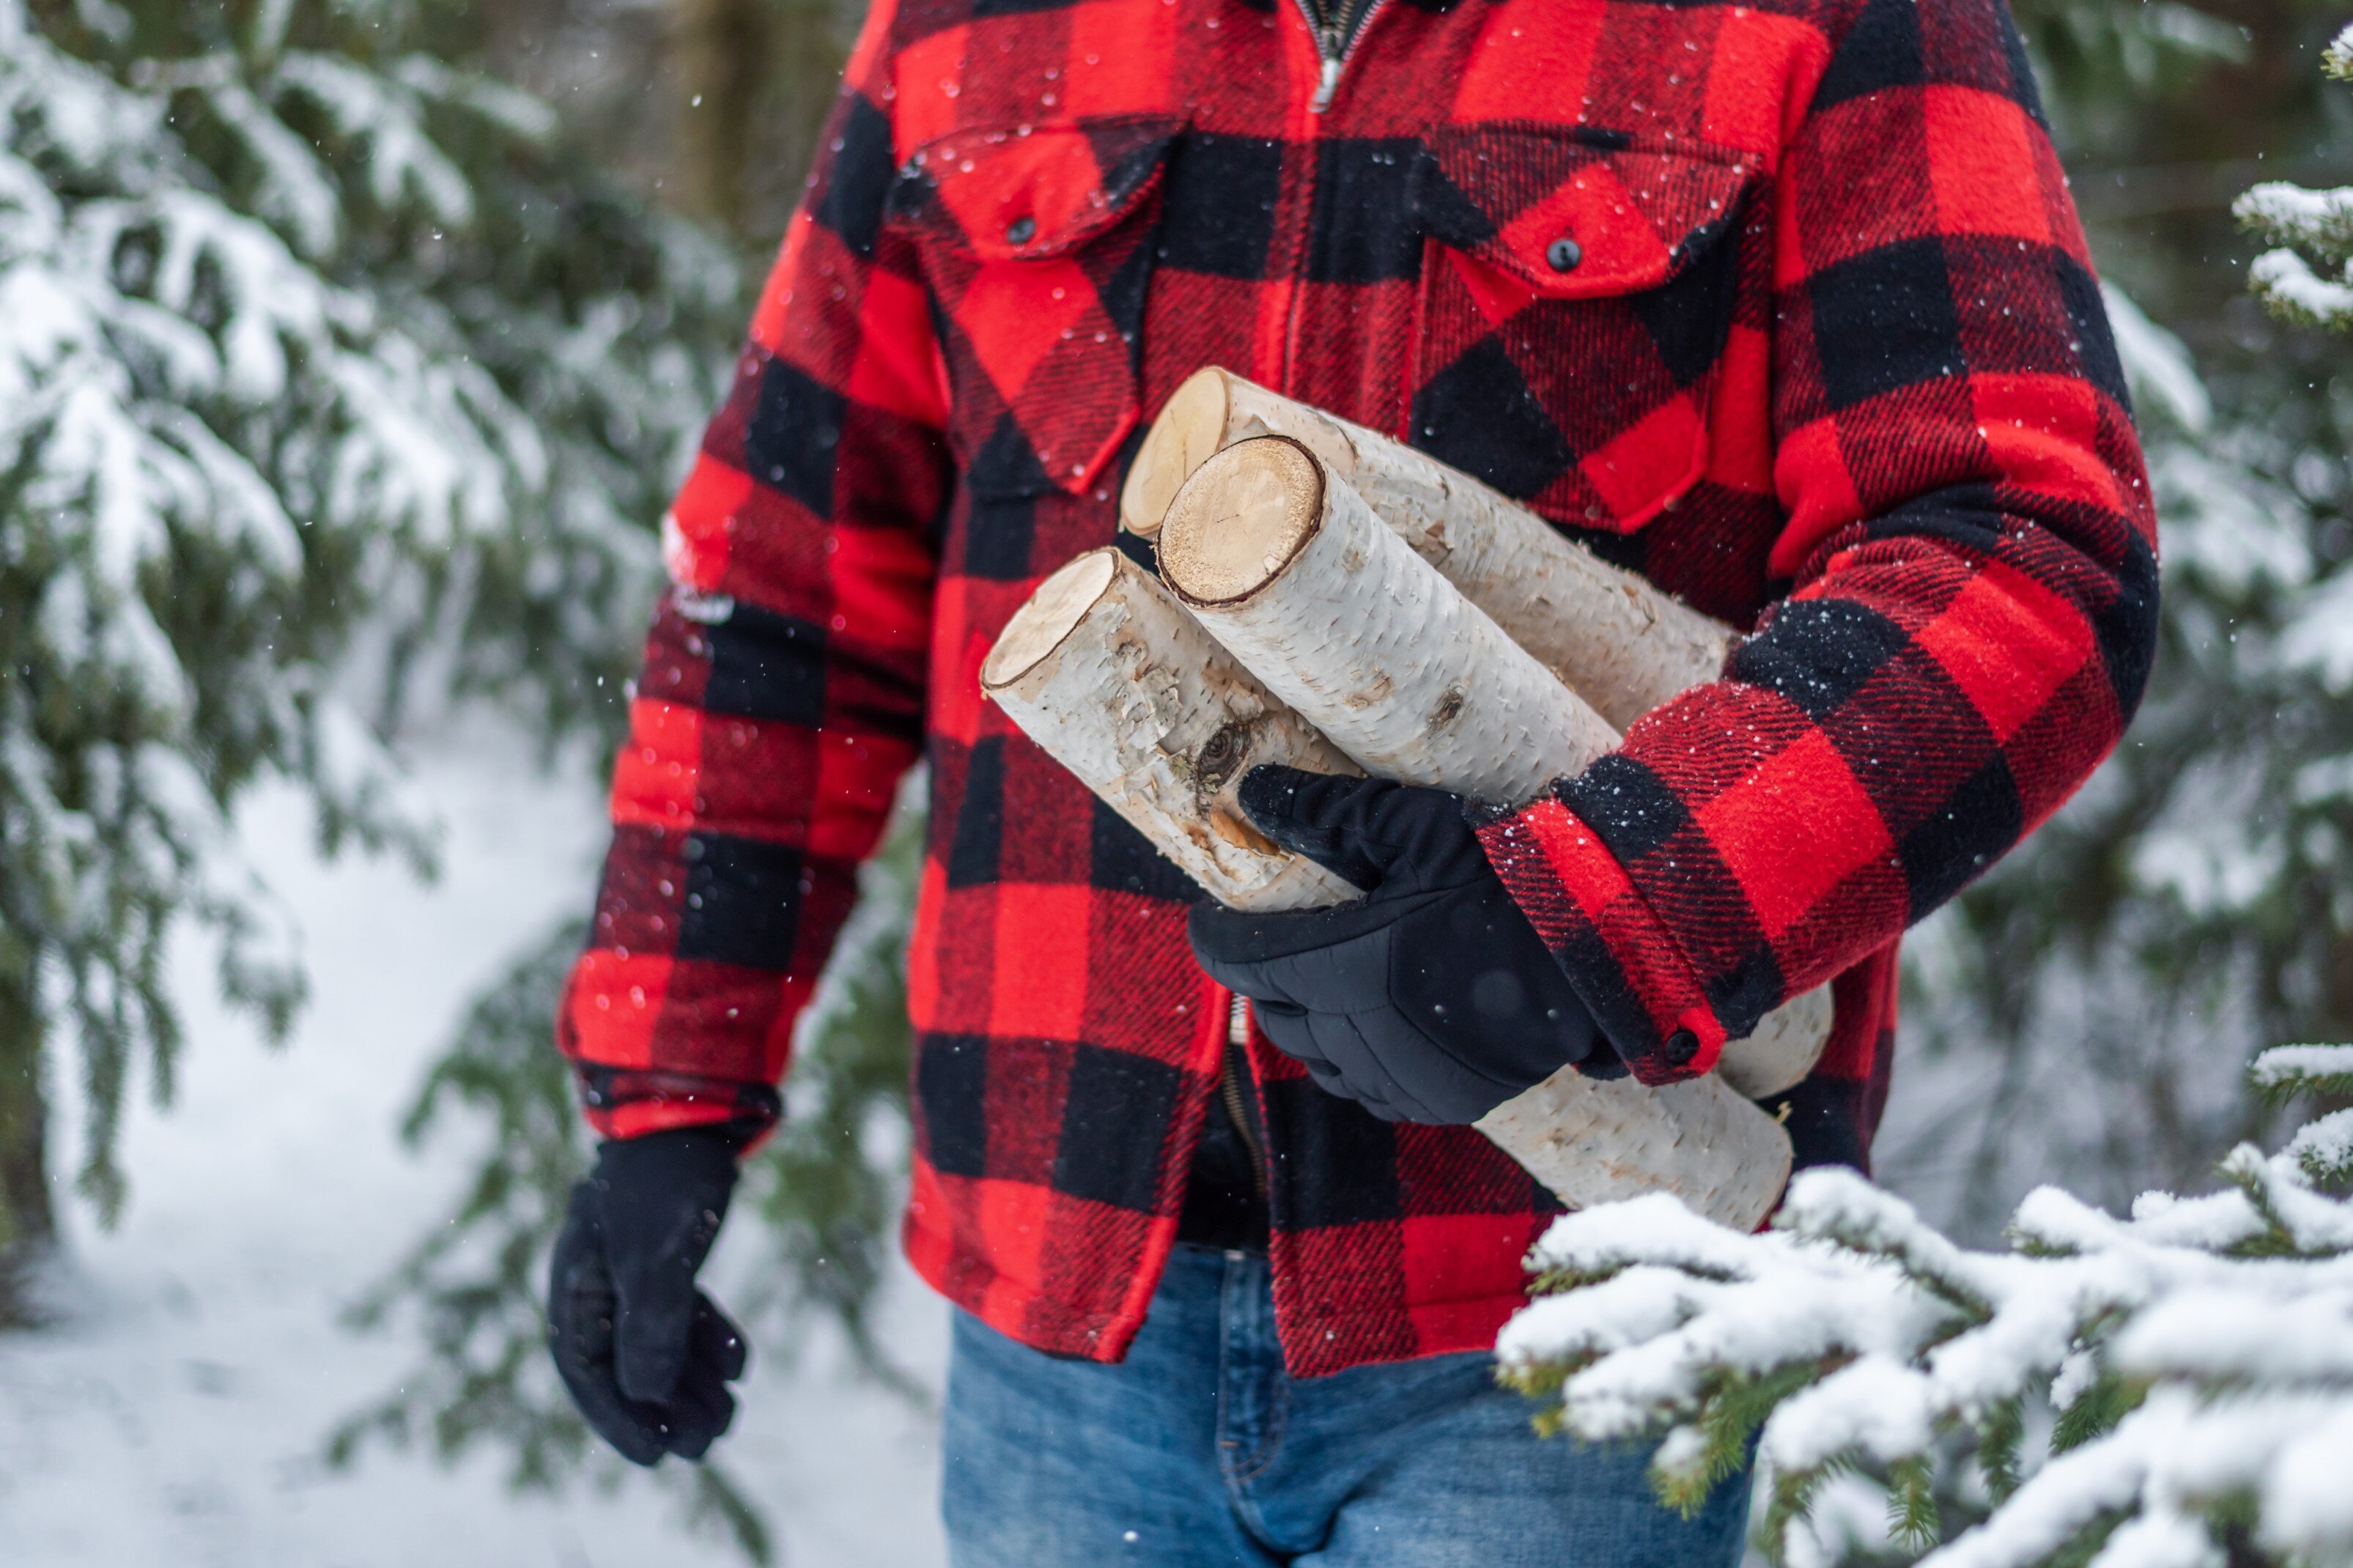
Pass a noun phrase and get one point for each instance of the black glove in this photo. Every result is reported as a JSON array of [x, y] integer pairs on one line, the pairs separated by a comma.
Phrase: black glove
[[646, 1355], [1430, 1000]]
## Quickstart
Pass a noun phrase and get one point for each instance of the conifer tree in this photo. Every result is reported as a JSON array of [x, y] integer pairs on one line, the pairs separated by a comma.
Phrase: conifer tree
[[2299, 224], [306, 326], [2174, 1388]]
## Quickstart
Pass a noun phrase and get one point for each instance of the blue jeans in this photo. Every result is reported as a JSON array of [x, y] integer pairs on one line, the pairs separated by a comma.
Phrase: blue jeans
[[1198, 1449]]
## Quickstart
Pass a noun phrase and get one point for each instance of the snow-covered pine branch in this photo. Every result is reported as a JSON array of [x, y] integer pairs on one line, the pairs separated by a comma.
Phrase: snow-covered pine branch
[[303, 333], [2304, 277], [2137, 1393]]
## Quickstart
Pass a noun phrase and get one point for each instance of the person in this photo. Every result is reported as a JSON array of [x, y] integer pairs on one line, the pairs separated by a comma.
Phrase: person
[[1781, 302]]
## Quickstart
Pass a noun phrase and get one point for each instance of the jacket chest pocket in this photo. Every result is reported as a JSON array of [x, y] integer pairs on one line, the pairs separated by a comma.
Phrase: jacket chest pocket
[[1037, 245], [1576, 295]]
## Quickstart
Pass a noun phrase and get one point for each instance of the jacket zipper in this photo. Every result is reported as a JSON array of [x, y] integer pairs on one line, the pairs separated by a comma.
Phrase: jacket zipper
[[1231, 1080], [1335, 41]]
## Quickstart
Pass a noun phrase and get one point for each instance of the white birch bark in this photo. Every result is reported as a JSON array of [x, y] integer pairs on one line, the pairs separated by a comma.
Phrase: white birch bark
[[1613, 637], [1777, 1055], [1113, 678], [1286, 565], [1597, 1141]]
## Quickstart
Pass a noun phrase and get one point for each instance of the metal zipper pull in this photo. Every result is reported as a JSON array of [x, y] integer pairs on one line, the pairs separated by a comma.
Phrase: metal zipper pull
[[1238, 1021], [1327, 44], [1335, 40]]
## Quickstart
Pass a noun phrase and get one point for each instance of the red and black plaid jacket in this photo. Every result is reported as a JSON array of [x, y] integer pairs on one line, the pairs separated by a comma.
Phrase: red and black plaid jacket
[[1823, 355]]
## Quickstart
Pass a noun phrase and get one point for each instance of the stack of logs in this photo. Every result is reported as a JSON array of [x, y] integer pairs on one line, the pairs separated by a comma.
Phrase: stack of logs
[[1334, 600]]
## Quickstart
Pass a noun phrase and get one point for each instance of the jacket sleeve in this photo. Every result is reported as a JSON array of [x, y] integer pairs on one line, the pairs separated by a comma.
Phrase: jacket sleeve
[[782, 693], [1971, 544]]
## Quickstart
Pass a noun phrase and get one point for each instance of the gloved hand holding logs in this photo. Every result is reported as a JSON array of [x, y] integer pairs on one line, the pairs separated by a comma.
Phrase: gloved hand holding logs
[[1321, 611], [1288, 567]]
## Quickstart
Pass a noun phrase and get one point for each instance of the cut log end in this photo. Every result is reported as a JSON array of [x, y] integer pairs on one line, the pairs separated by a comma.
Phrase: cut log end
[[1240, 520], [1783, 1048], [1038, 628], [1188, 432]]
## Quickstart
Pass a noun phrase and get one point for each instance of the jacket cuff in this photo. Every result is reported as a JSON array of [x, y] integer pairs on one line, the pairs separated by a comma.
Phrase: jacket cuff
[[621, 1102], [1625, 965]]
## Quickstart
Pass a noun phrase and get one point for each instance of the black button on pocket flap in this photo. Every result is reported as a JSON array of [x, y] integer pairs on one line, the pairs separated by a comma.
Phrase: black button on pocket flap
[[1028, 193], [1571, 212]]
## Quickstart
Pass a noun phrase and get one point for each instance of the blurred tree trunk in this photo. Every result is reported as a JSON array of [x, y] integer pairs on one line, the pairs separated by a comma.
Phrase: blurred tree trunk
[[28, 1221], [809, 46], [720, 50]]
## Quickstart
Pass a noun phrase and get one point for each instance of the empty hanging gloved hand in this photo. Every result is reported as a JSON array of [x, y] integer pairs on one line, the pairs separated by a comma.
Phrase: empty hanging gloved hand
[[646, 1355], [1433, 998]]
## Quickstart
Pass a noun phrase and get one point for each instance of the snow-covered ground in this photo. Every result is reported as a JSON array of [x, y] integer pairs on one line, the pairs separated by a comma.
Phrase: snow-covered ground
[[175, 1418]]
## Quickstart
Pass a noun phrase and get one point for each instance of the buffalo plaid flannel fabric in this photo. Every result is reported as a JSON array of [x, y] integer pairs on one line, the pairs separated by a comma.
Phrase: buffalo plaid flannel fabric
[[1783, 304]]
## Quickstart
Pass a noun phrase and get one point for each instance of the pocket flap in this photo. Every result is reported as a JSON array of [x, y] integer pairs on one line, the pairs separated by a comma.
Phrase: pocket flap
[[1032, 191], [1574, 213]]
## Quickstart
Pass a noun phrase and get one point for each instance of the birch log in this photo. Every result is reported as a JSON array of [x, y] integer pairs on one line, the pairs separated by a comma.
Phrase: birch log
[[1611, 637], [1113, 678], [1287, 567], [1595, 1140], [1778, 1054]]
